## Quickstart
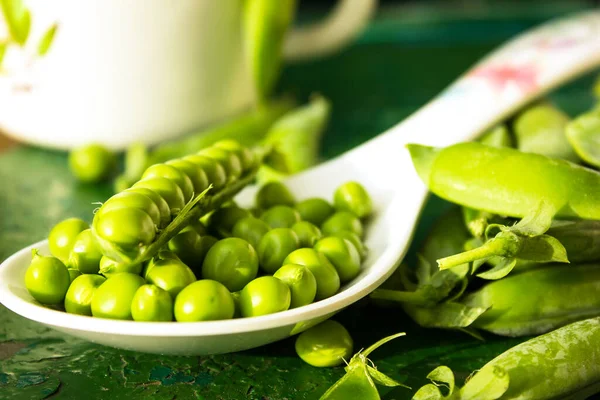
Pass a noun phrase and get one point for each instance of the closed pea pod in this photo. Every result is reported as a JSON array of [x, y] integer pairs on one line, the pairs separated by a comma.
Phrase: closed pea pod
[[328, 280], [342, 254], [315, 210], [167, 189], [302, 283], [280, 217], [342, 221], [274, 194], [63, 235], [215, 172], [79, 296], [514, 184], [229, 160], [250, 229], [195, 173], [353, 197], [174, 175], [274, 247], [308, 234], [139, 228]]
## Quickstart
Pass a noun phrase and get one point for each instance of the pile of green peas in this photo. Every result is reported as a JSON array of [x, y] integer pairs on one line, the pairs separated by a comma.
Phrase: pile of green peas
[[232, 262]]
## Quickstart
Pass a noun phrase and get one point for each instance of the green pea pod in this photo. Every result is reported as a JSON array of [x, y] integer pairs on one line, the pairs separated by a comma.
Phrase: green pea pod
[[360, 378], [295, 137], [562, 364], [537, 300], [541, 129], [265, 24], [581, 239], [18, 20], [507, 182], [583, 134]]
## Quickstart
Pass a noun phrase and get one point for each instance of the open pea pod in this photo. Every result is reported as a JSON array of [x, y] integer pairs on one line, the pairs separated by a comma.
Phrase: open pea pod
[[562, 364], [507, 182], [583, 134]]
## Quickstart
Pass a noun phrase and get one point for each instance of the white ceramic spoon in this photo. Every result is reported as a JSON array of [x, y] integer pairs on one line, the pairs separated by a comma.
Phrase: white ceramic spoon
[[510, 77]]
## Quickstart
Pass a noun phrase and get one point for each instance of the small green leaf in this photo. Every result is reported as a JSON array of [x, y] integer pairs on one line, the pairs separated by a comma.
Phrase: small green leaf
[[538, 222], [428, 392], [18, 20], [487, 384], [46, 40], [542, 248], [444, 375], [500, 270], [355, 384], [383, 379], [379, 343]]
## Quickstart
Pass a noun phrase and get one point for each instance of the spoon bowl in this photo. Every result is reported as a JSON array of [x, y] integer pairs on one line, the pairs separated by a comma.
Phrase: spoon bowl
[[523, 69]]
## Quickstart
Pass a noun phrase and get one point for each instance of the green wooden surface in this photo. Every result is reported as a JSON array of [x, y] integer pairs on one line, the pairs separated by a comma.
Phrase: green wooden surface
[[401, 61]]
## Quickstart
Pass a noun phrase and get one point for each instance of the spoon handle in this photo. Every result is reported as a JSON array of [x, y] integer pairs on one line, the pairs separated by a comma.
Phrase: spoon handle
[[519, 71]]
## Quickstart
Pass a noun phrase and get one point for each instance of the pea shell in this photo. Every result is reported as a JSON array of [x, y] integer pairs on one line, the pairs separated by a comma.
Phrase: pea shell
[[274, 247], [302, 283], [231, 261], [85, 255], [274, 194], [328, 280], [151, 303], [113, 298], [264, 295], [352, 196], [204, 300], [167, 189], [342, 221], [78, 299], [315, 210], [280, 217], [174, 175], [215, 172], [342, 254], [63, 236]]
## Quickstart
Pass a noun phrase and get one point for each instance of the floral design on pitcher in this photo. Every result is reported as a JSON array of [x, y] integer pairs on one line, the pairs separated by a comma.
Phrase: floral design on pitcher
[[17, 19]]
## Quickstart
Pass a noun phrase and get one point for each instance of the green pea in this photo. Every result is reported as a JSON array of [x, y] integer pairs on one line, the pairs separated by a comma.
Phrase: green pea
[[163, 206], [229, 160], [353, 197], [199, 227], [92, 163], [328, 280], [342, 221], [195, 173], [47, 279], [342, 254], [79, 296], [221, 221], [73, 273], [302, 283], [280, 217], [110, 267], [204, 300], [355, 240], [250, 229], [187, 245], [325, 345], [264, 295], [167, 189], [63, 236], [85, 255], [151, 303], [133, 200], [245, 155], [315, 210], [308, 234], [231, 261], [274, 194], [274, 247], [174, 175], [113, 298], [582, 134], [215, 172], [170, 275], [126, 227]]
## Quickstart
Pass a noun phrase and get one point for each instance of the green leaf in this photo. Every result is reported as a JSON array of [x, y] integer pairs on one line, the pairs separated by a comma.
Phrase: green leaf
[[378, 344], [383, 379], [449, 315], [18, 20], [46, 40], [444, 375], [487, 384], [538, 222], [355, 384], [500, 270], [542, 248], [428, 392]]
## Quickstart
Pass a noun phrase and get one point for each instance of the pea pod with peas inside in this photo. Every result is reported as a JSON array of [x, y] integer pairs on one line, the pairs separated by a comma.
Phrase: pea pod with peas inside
[[562, 364]]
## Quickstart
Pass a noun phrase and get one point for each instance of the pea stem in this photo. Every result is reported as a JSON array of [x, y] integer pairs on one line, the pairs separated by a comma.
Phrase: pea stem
[[493, 247]]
